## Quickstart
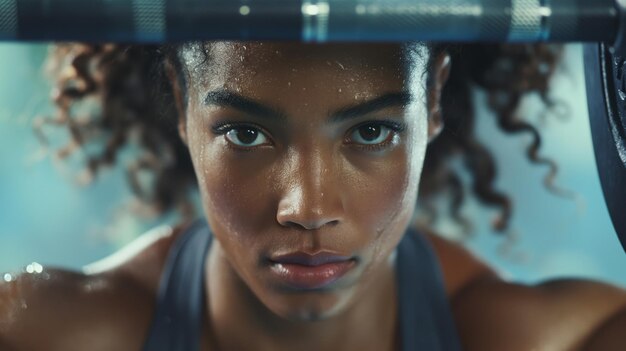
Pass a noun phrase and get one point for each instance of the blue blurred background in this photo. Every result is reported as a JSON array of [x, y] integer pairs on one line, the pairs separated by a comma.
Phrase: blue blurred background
[[46, 217]]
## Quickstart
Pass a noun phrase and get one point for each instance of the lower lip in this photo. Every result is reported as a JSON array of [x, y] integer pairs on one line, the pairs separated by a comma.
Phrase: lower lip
[[311, 277]]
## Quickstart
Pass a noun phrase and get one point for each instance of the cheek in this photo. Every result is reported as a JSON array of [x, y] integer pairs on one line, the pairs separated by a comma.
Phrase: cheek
[[233, 185], [390, 205], [236, 193], [382, 193], [385, 194], [388, 196]]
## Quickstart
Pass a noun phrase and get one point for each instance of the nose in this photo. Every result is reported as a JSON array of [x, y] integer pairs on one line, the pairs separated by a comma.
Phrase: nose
[[312, 198]]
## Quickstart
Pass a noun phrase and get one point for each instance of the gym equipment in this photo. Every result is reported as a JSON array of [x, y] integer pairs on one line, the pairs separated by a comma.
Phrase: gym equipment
[[605, 75], [312, 20]]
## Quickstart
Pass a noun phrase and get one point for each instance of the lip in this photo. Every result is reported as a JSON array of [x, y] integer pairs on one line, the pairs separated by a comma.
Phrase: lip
[[304, 271], [307, 259]]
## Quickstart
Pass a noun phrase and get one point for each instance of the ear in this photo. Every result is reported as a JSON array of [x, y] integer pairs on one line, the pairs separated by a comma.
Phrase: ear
[[439, 76], [171, 73]]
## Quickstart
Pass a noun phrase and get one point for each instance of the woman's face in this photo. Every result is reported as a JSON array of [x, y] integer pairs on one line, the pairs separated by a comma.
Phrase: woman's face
[[308, 159]]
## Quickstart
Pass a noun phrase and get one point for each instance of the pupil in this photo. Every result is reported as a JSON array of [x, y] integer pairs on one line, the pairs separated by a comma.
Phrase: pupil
[[247, 136], [369, 133]]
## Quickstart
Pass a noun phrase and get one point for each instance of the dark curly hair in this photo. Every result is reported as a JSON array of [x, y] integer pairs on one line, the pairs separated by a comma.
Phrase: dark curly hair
[[129, 85]]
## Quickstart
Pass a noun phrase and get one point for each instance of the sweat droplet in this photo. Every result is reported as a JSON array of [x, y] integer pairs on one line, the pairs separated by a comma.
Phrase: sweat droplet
[[34, 268], [339, 90], [37, 268], [244, 11]]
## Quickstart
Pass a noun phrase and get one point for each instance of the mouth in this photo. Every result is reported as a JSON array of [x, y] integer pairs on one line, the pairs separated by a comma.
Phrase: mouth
[[304, 271]]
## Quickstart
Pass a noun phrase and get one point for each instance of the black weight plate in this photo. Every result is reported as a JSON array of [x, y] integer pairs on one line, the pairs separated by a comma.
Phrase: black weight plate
[[605, 76]]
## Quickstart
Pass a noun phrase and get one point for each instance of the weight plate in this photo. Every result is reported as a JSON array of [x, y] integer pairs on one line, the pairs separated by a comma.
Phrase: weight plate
[[606, 95]]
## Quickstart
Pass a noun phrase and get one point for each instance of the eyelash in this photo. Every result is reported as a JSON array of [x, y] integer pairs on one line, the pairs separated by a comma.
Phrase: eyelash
[[223, 128], [395, 129], [394, 126]]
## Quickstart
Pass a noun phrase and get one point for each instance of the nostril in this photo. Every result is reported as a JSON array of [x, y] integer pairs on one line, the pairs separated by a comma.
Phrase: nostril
[[295, 225], [309, 225], [308, 209]]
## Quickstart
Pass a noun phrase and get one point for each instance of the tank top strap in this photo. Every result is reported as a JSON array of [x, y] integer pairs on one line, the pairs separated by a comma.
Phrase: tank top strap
[[425, 318], [177, 322]]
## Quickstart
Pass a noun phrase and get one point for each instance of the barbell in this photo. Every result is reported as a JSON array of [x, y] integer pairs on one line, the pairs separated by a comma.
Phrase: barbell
[[600, 23]]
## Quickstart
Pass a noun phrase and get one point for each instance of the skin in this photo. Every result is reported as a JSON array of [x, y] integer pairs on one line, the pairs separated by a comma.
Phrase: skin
[[328, 191]]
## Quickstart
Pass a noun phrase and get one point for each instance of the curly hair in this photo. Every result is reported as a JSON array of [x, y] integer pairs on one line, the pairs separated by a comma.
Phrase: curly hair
[[129, 84]]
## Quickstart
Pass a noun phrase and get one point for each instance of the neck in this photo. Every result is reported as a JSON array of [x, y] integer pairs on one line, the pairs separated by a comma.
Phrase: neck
[[237, 320]]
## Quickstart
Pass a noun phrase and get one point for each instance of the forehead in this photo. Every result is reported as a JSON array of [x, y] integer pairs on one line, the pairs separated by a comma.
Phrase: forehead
[[244, 60]]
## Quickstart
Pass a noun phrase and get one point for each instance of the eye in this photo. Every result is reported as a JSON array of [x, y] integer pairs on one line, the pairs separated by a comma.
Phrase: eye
[[370, 134], [246, 136]]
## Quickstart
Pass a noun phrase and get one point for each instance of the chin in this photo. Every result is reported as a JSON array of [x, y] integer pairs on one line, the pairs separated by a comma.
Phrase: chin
[[309, 315], [319, 306]]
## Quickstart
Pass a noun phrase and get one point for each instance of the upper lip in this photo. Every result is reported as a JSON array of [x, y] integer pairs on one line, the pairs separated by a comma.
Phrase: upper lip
[[308, 259]]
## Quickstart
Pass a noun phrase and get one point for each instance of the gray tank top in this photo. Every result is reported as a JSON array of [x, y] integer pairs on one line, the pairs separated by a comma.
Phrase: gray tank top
[[425, 320]]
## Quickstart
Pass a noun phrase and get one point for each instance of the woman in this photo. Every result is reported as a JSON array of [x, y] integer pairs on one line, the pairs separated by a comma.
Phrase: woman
[[308, 160]]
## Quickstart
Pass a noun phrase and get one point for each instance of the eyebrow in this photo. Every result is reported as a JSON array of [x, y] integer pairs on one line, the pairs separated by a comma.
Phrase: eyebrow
[[224, 98], [394, 99]]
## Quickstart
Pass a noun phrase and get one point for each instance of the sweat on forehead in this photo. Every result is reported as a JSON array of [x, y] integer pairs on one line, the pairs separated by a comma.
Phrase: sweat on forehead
[[197, 55], [212, 64]]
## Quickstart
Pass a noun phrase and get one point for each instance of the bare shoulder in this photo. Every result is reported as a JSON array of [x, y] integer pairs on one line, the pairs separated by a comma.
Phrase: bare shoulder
[[142, 260], [564, 314], [108, 306], [459, 266], [554, 315]]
